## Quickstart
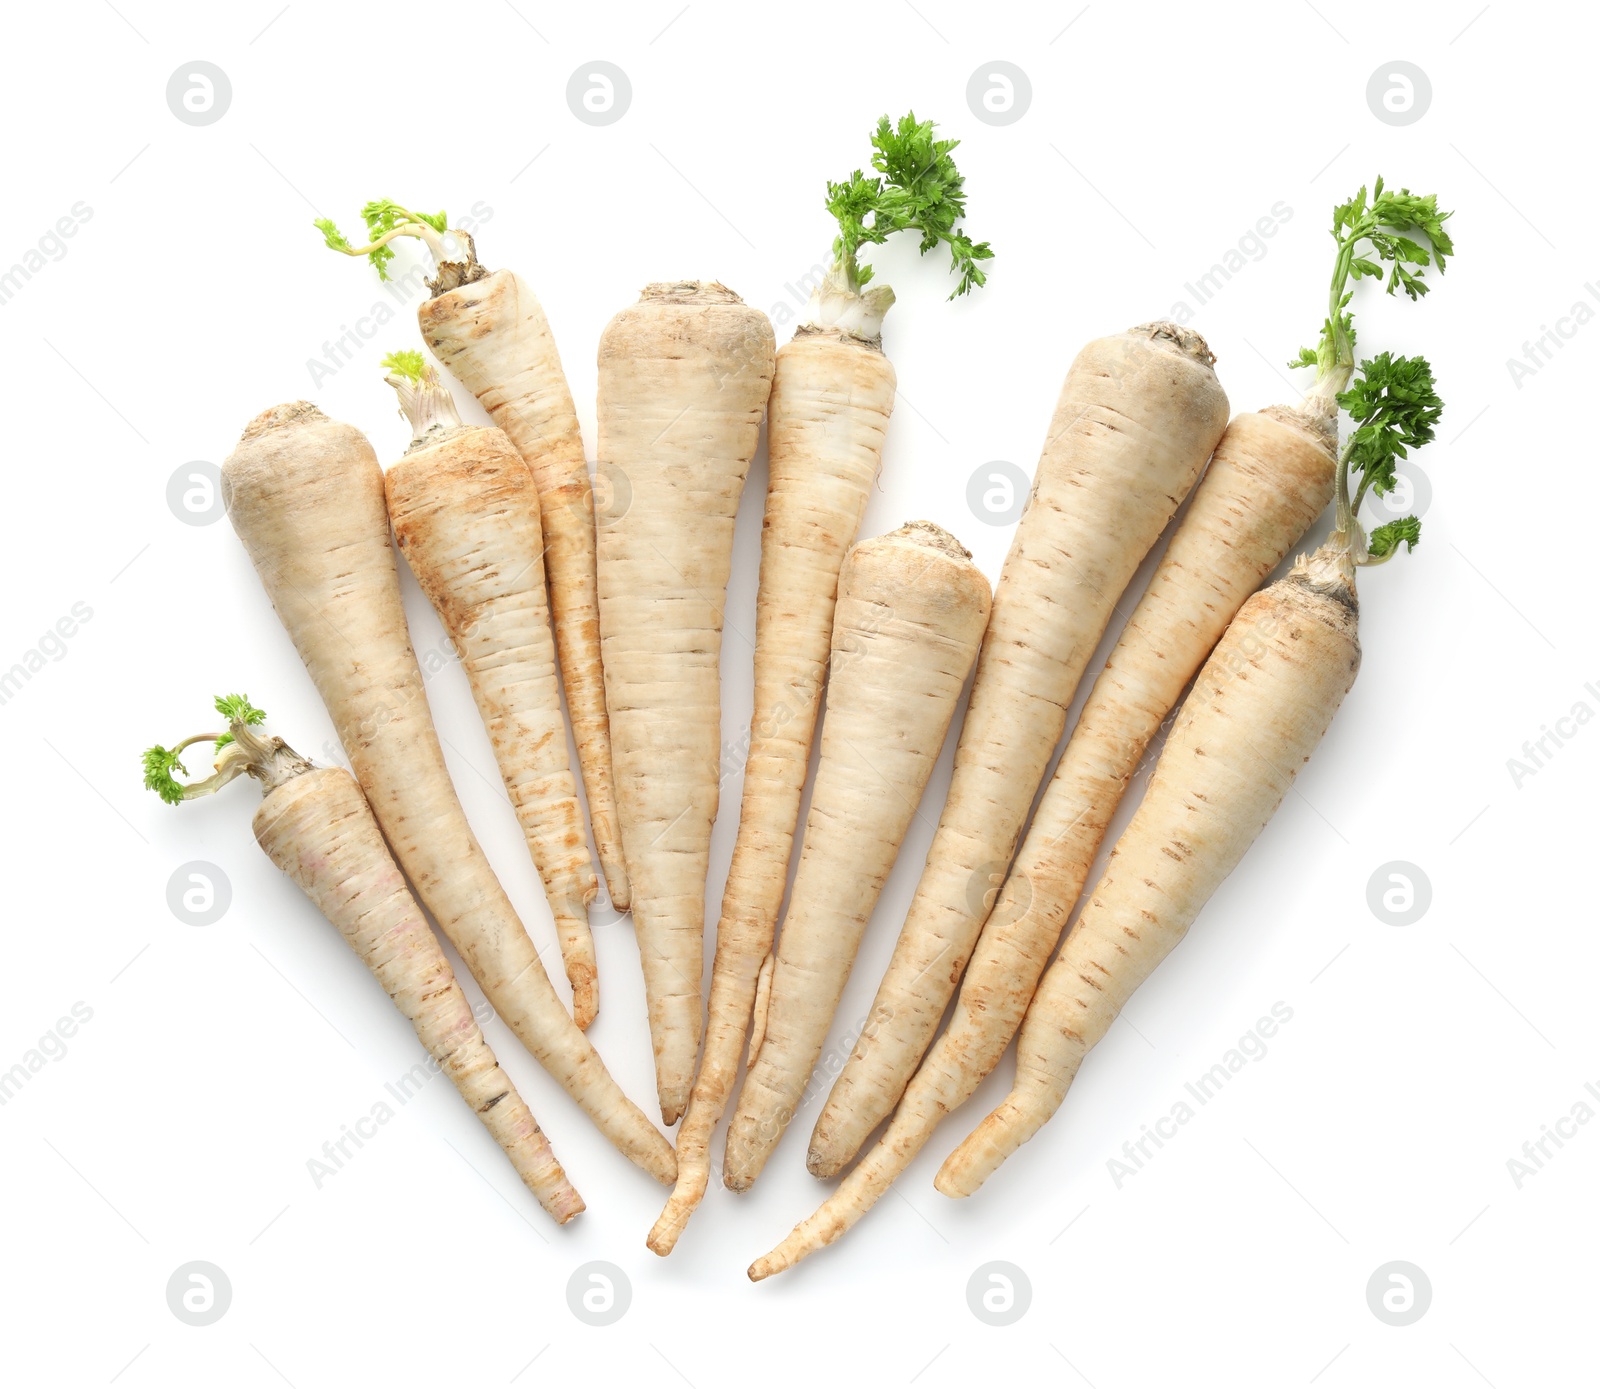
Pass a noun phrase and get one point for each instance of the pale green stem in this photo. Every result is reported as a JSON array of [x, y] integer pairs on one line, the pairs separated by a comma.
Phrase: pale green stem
[[270, 760]]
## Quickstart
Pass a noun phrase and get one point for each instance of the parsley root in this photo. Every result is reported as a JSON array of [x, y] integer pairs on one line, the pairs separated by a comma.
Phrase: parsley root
[[1272, 475], [466, 517], [489, 330], [305, 495], [832, 392], [1258, 709], [911, 612], [684, 379], [1137, 417], [315, 825]]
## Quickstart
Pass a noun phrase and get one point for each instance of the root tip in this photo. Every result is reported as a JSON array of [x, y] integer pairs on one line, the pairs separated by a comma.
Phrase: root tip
[[962, 1173], [585, 984], [664, 1234], [822, 1166]]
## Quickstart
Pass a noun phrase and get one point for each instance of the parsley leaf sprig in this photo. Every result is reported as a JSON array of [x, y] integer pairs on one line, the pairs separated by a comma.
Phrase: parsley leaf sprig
[[163, 766], [386, 221], [1389, 228], [918, 188], [1396, 407]]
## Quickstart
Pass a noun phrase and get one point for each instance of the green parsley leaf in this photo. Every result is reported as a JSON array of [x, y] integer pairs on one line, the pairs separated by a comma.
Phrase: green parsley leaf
[[1385, 538], [918, 189], [408, 363], [159, 765]]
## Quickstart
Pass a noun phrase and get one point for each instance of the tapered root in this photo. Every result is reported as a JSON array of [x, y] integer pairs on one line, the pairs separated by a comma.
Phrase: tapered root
[[1138, 415], [888, 1159], [831, 399], [683, 382], [855, 1196], [490, 331], [306, 496], [810, 1235], [530, 1153], [732, 988], [910, 615], [318, 829]]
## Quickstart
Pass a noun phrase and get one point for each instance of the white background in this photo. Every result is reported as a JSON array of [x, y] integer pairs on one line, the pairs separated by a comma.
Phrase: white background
[[218, 1060]]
